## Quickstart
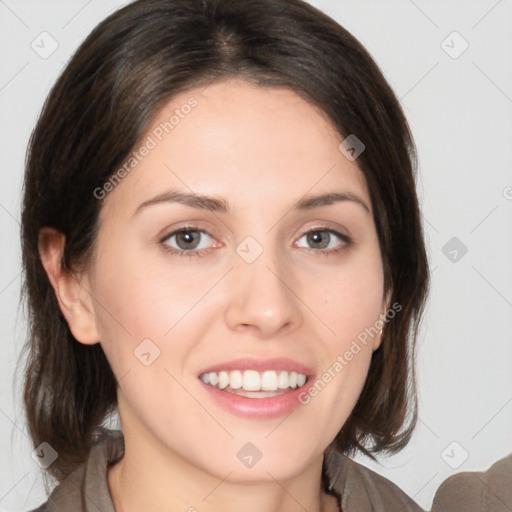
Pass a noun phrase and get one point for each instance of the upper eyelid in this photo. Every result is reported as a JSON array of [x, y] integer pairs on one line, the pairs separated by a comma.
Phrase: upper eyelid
[[172, 232]]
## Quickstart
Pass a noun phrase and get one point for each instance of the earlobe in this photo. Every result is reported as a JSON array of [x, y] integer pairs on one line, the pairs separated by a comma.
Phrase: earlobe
[[378, 339], [73, 298]]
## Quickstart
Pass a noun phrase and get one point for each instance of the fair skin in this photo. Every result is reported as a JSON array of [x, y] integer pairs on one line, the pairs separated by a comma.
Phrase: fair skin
[[261, 150]]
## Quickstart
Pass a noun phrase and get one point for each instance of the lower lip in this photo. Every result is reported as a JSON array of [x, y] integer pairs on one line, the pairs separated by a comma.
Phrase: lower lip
[[269, 407]]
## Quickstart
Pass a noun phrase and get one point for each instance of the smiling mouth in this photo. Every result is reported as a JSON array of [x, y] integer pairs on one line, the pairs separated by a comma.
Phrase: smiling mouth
[[254, 384]]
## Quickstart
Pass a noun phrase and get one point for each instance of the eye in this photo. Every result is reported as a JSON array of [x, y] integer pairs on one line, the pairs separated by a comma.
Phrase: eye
[[187, 240], [322, 238]]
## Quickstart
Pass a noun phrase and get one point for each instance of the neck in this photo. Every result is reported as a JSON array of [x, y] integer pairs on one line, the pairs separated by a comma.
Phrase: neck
[[150, 477]]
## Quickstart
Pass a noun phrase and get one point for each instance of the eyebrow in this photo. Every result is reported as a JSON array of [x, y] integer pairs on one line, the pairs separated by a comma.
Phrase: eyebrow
[[220, 205]]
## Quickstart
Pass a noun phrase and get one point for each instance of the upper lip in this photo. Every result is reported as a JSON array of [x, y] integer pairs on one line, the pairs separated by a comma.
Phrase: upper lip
[[260, 364]]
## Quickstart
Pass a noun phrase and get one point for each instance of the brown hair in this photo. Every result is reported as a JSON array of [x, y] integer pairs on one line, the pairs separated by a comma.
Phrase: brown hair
[[134, 62]]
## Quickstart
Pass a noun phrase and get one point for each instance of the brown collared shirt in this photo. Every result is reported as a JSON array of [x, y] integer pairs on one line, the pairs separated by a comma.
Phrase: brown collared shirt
[[358, 488]]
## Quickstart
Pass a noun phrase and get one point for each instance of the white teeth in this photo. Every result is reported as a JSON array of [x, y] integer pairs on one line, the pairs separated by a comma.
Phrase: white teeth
[[269, 381], [283, 380], [252, 380], [235, 379], [223, 380]]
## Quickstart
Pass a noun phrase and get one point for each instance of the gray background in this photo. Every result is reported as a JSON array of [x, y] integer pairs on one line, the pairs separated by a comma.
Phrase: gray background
[[460, 110]]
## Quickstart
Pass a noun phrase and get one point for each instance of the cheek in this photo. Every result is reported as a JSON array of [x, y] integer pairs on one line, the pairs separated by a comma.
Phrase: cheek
[[142, 299], [137, 309], [350, 299], [349, 305], [143, 330]]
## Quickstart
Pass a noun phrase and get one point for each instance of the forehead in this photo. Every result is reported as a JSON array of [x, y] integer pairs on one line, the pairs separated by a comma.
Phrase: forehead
[[249, 143]]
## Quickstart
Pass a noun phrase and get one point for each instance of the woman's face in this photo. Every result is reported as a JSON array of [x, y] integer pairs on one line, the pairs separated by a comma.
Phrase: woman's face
[[250, 289]]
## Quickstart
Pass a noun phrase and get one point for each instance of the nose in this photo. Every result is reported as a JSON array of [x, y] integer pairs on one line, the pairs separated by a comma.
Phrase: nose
[[264, 299]]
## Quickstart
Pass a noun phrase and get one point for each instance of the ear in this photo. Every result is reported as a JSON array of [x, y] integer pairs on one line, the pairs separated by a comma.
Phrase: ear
[[377, 340], [71, 291]]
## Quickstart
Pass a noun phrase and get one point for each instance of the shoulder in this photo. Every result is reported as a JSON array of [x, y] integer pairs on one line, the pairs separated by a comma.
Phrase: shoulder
[[363, 490], [86, 488], [477, 491]]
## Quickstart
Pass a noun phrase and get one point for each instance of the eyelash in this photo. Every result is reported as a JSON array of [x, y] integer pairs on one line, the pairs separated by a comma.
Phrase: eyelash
[[323, 252]]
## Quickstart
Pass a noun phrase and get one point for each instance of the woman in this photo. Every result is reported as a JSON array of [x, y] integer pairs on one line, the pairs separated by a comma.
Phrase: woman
[[245, 133]]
